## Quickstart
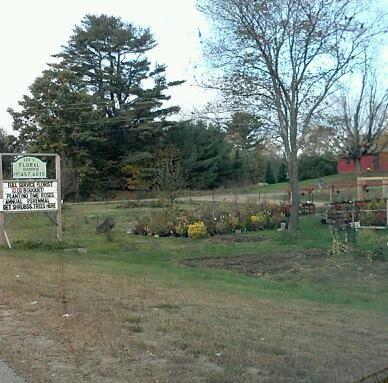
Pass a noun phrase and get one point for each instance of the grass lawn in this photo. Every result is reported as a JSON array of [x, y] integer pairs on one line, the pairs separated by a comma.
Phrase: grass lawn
[[258, 308], [335, 179]]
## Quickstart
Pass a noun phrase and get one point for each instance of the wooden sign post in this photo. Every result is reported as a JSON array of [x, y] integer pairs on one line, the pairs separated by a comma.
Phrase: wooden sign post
[[3, 240], [59, 201], [28, 190]]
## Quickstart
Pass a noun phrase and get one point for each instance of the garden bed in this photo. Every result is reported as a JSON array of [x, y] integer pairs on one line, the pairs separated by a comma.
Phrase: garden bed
[[264, 264]]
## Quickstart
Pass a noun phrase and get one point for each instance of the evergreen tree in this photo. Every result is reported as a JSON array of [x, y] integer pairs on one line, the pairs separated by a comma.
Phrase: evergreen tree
[[5, 141], [205, 153], [269, 178], [102, 103], [282, 176], [245, 131], [56, 117]]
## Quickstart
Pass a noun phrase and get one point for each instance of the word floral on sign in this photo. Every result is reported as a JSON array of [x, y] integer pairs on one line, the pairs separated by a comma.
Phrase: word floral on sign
[[28, 168], [29, 196]]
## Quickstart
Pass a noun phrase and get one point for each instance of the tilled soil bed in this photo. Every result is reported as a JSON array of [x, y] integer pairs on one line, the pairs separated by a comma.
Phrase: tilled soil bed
[[264, 264]]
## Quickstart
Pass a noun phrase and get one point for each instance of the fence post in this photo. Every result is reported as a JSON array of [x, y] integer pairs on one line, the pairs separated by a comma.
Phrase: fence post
[[386, 204]]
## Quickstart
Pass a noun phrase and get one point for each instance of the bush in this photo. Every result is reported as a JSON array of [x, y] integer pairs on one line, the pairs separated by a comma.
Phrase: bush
[[257, 222], [373, 245], [197, 230], [222, 227], [314, 166], [163, 223], [181, 225], [142, 229]]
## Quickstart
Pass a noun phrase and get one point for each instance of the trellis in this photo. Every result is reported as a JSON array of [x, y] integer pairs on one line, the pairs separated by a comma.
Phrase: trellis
[[353, 213]]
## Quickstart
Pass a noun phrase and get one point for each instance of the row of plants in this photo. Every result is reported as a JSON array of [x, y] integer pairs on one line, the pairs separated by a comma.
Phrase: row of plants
[[211, 220], [369, 243], [368, 213]]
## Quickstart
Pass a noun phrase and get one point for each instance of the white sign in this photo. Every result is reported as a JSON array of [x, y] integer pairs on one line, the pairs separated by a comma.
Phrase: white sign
[[29, 196], [29, 167]]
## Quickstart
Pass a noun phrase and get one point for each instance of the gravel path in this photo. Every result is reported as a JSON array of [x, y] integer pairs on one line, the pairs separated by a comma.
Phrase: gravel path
[[7, 375]]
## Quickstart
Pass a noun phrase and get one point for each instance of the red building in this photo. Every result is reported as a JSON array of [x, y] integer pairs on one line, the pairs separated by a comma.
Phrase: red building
[[370, 162]]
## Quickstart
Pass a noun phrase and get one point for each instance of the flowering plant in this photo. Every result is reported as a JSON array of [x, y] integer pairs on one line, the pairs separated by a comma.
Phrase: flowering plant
[[197, 230]]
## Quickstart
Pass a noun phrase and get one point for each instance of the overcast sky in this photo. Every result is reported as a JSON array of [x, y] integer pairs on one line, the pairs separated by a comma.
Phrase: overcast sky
[[32, 31]]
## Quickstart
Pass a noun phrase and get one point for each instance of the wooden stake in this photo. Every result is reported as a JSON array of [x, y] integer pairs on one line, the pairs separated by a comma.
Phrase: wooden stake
[[386, 203], [59, 197]]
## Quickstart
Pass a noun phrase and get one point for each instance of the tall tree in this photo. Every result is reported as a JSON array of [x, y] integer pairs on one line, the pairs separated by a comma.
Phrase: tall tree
[[245, 131], [205, 153], [318, 139], [101, 92], [282, 175], [169, 174], [269, 178], [359, 121], [285, 57], [5, 141], [59, 116], [247, 136]]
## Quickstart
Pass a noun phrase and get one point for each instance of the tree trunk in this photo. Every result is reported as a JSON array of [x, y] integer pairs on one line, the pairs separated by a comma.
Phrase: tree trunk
[[295, 197], [357, 163]]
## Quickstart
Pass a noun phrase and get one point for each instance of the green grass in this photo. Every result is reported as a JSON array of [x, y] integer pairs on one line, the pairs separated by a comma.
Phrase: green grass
[[335, 179], [159, 258], [133, 303]]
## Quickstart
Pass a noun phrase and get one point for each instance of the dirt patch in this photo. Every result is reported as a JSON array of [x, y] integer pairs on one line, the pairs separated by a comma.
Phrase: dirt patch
[[264, 264]]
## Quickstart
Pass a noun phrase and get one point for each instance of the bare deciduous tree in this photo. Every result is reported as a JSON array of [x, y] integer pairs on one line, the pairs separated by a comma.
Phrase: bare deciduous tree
[[284, 58], [169, 175], [361, 120], [70, 180]]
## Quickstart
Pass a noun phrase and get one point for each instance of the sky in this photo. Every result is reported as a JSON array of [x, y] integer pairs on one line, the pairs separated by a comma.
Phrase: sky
[[32, 31]]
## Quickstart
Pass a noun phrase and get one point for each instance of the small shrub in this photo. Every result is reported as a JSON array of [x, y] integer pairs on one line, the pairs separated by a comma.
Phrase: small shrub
[[197, 230], [142, 229], [162, 222], [258, 221], [182, 226], [222, 227], [373, 245], [236, 223]]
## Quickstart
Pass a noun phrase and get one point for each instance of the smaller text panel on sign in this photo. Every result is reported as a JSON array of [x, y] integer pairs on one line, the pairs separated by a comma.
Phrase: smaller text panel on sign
[[19, 196], [29, 167]]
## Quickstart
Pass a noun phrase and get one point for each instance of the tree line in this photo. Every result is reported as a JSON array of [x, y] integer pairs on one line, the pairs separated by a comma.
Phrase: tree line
[[102, 107], [106, 108]]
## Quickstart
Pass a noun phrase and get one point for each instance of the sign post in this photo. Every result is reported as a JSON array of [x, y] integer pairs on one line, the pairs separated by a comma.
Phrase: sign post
[[59, 202], [3, 240], [29, 190]]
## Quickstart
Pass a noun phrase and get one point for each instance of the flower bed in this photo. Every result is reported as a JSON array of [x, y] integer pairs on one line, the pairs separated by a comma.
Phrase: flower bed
[[211, 220]]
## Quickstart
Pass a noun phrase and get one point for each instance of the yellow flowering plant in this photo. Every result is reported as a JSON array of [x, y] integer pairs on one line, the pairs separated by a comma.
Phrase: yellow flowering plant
[[197, 230]]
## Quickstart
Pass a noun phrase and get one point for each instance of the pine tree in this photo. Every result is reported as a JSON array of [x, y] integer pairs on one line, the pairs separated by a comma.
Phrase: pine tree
[[269, 178], [102, 103], [282, 176], [205, 154]]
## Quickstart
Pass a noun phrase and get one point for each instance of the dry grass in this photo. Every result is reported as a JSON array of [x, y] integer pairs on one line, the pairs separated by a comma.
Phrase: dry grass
[[136, 329]]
